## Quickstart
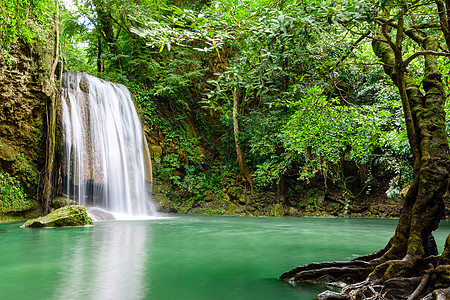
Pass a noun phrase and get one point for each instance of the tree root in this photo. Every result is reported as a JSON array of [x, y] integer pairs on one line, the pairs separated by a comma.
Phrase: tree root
[[358, 281], [328, 272], [421, 285]]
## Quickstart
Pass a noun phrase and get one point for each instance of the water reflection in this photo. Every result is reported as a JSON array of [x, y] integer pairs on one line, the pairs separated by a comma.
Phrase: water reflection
[[110, 264]]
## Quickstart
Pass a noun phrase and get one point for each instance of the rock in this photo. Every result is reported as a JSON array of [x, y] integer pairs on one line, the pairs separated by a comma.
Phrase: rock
[[197, 211], [62, 201], [183, 209], [315, 196], [25, 92], [320, 197], [161, 202], [84, 85], [277, 210], [159, 188], [293, 211], [155, 151], [208, 196], [230, 208], [250, 209], [242, 199], [98, 214], [73, 215]]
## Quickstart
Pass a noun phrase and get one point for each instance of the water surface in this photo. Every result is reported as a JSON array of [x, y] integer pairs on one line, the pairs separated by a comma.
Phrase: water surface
[[183, 257]]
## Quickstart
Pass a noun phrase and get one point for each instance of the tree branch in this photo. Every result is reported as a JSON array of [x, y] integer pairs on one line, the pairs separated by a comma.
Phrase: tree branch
[[421, 53], [350, 50]]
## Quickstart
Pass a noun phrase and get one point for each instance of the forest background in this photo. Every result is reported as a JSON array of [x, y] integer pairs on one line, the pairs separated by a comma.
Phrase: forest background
[[250, 107]]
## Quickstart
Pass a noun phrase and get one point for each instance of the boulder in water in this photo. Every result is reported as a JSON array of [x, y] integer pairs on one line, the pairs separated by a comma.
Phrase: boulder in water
[[72, 215]]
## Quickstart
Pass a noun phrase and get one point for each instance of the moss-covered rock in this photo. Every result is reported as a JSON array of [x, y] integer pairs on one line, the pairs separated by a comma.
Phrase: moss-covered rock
[[277, 210], [73, 215]]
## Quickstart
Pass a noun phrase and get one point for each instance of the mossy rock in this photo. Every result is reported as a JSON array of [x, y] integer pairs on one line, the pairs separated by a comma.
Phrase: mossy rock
[[231, 208], [73, 215], [209, 196], [277, 210], [161, 202], [197, 211]]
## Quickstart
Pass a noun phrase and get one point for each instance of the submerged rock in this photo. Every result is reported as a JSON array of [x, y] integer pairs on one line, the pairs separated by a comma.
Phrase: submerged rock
[[73, 215], [98, 214]]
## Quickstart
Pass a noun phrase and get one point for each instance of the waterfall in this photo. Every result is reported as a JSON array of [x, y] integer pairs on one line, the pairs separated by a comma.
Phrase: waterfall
[[104, 161]]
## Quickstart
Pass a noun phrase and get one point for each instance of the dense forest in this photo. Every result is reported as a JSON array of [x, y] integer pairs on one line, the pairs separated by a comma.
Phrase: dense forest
[[275, 108], [252, 108]]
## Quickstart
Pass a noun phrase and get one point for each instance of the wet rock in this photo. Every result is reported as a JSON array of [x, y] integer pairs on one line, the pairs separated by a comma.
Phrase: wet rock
[[84, 86], [73, 215], [98, 214], [161, 202]]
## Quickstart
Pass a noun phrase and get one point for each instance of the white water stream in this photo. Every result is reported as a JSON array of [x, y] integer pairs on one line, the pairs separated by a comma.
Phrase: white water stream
[[105, 165]]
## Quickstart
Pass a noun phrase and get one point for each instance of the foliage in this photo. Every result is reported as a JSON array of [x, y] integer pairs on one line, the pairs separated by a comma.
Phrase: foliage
[[27, 20], [313, 98], [12, 196], [324, 131]]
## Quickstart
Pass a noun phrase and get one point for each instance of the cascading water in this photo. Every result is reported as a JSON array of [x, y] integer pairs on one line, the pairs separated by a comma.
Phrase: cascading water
[[105, 165]]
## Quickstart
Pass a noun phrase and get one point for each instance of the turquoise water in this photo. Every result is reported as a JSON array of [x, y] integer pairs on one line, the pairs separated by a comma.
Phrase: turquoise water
[[181, 257]]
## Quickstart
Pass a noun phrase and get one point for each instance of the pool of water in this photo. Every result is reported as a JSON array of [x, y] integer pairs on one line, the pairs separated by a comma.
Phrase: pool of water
[[181, 257]]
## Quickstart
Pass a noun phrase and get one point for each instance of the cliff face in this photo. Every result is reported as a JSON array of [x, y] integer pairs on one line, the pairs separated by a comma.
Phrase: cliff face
[[24, 94]]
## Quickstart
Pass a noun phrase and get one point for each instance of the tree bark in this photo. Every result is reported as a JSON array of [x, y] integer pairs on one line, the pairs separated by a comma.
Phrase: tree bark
[[239, 152], [51, 127]]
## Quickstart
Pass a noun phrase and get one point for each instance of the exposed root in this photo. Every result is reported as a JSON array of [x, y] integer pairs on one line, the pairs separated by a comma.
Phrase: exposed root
[[391, 269], [421, 285], [357, 284], [328, 272]]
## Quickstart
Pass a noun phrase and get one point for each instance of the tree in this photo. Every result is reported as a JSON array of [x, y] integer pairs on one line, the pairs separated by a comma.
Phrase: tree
[[406, 33]]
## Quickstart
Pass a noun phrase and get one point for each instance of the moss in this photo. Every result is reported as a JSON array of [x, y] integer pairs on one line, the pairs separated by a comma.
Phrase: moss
[[73, 215]]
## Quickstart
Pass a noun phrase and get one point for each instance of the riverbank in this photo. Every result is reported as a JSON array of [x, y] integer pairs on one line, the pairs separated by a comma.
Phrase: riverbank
[[263, 205]]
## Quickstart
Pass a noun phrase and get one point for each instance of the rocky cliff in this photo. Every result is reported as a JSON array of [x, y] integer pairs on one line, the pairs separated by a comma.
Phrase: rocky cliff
[[25, 92]]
